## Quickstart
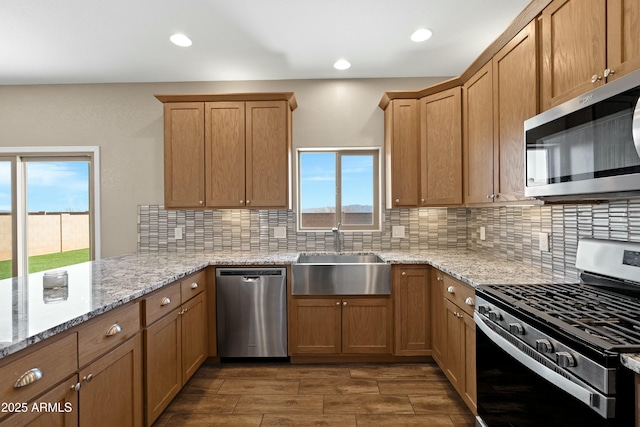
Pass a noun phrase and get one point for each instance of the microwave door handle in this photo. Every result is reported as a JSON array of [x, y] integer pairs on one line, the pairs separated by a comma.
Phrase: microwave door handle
[[594, 400], [636, 127]]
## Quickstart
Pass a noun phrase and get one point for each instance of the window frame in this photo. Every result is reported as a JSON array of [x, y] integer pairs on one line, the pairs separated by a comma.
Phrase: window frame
[[377, 185], [19, 157]]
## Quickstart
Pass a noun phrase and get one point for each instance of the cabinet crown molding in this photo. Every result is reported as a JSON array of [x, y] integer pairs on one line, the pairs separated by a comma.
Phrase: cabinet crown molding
[[212, 97]]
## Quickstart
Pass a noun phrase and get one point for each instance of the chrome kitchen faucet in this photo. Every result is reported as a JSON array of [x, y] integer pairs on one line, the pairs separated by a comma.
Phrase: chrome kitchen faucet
[[337, 238]]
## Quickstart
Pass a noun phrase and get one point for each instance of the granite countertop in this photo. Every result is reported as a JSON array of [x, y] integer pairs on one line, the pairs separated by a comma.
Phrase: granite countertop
[[29, 313]]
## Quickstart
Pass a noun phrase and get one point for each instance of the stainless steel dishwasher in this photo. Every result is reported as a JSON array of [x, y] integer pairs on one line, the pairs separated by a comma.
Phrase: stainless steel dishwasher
[[251, 312]]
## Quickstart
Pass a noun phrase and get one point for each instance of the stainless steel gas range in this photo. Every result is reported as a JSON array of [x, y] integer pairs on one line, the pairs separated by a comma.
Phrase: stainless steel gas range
[[550, 354]]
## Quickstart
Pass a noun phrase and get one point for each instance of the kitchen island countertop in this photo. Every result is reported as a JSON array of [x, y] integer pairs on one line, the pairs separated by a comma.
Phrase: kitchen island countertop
[[29, 313]]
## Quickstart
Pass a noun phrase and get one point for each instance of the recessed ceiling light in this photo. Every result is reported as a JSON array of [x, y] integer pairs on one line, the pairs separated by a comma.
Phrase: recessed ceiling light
[[342, 64], [180, 40], [421, 35]]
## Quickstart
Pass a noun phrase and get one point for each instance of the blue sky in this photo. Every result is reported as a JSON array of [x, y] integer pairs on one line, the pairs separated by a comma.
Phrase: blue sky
[[317, 173], [52, 186]]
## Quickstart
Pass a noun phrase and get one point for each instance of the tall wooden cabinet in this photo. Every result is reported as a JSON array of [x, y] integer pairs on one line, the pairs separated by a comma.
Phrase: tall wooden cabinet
[[227, 151], [441, 148], [412, 310], [340, 326], [585, 43], [402, 153]]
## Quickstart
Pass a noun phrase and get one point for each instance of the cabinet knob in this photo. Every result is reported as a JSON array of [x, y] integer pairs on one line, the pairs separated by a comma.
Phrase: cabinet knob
[[165, 301], [491, 196], [439, 279], [242, 202], [337, 302], [88, 378], [344, 303], [422, 201], [451, 289], [469, 301], [200, 202], [29, 377], [397, 201], [115, 329], [595, 78], [608, 72], [76, 387], [404, 273], [248, 202], [194, 285]]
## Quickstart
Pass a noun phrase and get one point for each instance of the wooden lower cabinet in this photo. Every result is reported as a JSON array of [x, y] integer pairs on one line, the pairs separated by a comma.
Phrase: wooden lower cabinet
[[176, 346], [412, 310], [438, 319], [111, 392], [334, 326], [455, 336]]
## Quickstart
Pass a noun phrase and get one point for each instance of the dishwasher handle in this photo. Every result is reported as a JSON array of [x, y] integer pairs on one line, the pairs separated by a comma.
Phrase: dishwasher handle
[[251, 279]]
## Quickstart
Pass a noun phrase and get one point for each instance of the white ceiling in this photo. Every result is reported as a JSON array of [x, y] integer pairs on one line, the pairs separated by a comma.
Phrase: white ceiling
[[104, 41]]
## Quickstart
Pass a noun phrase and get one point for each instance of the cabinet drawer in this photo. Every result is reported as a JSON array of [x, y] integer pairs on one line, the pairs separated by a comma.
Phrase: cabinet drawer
[[459, 293], [107, 331], [52, 363], [192, 285], [161, 303]]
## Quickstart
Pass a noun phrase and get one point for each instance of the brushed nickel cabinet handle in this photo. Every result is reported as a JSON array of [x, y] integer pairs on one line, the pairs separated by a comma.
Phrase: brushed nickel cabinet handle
[[165, 301], [344, 303], [200, 202], [76, 387], [595, 78], [248, 202], [608, 72], [114, 330], [451, 289], [242, 202], [194, 285], [404, 273], [88, 378], [29, 377], [469, 301], [439, 279], [337, 302]]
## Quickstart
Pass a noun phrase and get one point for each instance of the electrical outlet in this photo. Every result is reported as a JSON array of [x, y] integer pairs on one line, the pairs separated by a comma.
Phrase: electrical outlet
[[543, 242], [280, 232], [483, 233], [177, 233], [397, 231]]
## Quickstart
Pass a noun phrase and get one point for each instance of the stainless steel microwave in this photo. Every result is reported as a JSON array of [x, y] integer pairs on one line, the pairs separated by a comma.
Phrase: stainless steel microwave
[[587, 148]]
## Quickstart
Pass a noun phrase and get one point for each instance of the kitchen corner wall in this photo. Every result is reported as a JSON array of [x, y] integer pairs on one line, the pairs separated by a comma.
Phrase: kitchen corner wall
[[512, 232]]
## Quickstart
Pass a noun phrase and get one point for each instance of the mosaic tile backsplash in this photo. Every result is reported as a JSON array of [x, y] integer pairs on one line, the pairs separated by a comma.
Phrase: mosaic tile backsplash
[[512, 232]]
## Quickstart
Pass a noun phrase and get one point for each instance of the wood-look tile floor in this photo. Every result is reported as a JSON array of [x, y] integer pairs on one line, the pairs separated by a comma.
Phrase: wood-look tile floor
[[318, 395]]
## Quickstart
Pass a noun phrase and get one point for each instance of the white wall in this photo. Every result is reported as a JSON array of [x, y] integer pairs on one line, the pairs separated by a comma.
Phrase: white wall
[[125, 120]]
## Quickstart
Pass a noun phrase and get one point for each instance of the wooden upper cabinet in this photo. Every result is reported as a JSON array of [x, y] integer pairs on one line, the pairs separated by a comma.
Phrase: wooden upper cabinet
[[441, 148], [184, 155], [623, 37], [267, 153], [228, 151], [402, 153], [515, 99], [477, 120], [574, 49], [225, 153]]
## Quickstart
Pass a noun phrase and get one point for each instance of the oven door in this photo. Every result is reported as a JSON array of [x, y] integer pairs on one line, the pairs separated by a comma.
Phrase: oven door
[[514, 389]]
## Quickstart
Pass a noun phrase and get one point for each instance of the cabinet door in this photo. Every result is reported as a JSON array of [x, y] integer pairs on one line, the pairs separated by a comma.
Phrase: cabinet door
[[441, 148], [184, 155], [367, 325], [574, 49], [225, 154], [478, 137], [454, 362], [163, 379], [412, 296], [438, 319], [65, 414], [402, 147], [469, 391], [194, 335], [515, 91], [111, 393], [267, 154], [623, 37], [315, 326]]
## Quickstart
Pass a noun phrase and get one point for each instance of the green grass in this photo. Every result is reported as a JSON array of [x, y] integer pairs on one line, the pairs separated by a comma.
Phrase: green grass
[[47, 262]]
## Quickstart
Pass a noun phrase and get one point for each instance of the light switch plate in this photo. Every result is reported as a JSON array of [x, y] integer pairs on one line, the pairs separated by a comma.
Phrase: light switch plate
[[280, 232], [397, 231], [177, 233], [543, 242], [483, 233]]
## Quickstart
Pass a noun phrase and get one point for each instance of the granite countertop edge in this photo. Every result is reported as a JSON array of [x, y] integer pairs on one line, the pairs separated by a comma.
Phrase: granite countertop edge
[[137, 270]]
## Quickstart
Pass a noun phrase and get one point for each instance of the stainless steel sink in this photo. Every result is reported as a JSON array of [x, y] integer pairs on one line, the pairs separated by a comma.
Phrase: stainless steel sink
[[341, 274]]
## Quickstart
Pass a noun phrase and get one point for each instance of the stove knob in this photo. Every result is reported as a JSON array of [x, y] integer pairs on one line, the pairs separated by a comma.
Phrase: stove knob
[[483, 309], [494, 316], [565, 359], [516, 329], [544, 346]]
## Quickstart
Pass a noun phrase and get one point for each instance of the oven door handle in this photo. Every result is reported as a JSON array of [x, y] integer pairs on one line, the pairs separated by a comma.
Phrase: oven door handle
[[592, 398]]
